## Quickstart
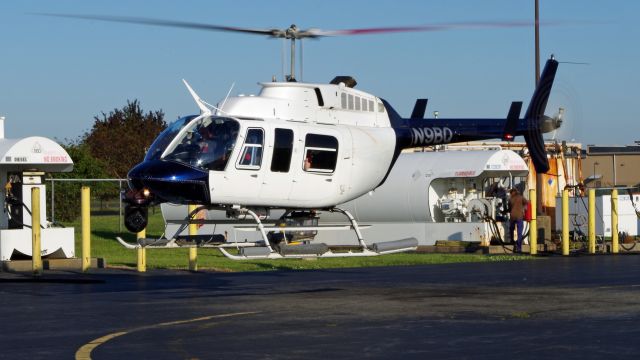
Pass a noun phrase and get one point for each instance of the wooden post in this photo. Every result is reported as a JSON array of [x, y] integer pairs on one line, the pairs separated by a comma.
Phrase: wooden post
[[533, 223], [592, 221], [614, 222], [85, 204], [193, 251], [36, 248], [142, 252], [565, 222]]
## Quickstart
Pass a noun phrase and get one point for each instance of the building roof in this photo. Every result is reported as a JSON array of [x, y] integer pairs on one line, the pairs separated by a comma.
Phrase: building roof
[[609, 150], [34, 153]]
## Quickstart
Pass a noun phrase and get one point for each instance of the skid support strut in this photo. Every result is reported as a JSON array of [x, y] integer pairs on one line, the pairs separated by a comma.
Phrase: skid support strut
[[354, 225], [261, 228]]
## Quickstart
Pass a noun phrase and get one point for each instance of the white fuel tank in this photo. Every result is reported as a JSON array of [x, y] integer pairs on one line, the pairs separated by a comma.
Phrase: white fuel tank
[[420, 182]]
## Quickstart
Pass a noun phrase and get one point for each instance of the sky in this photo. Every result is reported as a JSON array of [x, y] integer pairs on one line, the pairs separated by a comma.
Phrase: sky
[[57, 74]]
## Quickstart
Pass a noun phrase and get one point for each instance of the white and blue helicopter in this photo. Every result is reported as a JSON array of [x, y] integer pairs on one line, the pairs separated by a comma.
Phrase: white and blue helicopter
[[303, 148]]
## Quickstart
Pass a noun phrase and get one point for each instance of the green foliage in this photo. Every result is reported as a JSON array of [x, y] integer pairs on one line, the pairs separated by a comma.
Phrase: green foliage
[[120, 139], [115, 143], [67, 194]]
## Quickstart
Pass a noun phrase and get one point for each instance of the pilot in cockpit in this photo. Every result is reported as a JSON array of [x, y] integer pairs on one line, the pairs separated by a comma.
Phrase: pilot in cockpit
[[207, 141]]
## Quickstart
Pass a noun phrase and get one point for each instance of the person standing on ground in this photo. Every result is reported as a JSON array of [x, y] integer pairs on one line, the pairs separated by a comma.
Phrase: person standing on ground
[[517, 205]]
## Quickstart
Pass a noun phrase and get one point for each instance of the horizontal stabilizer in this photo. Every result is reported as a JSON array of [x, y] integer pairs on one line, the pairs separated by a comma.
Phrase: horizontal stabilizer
[[513, 119]]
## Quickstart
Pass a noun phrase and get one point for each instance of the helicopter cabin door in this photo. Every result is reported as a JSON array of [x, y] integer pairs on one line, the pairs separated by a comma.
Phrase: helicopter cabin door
[[315, 178], [243, 177], [276, 184]]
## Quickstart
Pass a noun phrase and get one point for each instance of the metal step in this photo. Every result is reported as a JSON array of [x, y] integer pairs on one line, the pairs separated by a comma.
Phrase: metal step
[[261, 251], [304, 249], [153, 242], [386, 246]]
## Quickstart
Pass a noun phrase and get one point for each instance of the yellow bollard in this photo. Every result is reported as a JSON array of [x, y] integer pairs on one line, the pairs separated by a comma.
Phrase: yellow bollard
[[592, 221], [533, 224], [85, 210], [614, 221], [36, 253], [193, 251], [142, 253], [565, 222]]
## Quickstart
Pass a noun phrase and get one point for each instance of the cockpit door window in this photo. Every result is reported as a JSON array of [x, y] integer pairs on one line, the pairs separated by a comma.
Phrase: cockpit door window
[[251, 155]]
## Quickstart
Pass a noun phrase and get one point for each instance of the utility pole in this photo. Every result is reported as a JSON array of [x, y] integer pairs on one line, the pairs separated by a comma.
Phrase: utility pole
[[539, 177], [537, 30]]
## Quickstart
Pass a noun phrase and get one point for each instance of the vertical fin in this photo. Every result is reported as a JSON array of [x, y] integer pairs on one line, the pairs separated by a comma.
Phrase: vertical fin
[[419, 109]]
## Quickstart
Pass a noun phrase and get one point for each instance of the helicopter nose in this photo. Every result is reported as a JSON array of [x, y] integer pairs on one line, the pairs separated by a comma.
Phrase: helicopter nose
[[171, 182]]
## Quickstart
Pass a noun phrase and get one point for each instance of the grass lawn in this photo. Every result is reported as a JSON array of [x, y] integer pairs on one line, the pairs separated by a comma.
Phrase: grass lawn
[[104, 229]]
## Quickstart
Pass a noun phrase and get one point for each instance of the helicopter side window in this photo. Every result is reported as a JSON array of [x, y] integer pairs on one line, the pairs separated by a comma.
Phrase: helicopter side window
[[358, 103], [364, 104], [319, 97], [251, 154], [371, 105], [320, 153], [350, 102], [282, 150], [343, 100]]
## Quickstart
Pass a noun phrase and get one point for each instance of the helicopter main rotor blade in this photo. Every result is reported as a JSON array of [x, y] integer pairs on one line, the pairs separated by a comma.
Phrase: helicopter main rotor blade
[[293, 32], [428, 28], [171, 23]]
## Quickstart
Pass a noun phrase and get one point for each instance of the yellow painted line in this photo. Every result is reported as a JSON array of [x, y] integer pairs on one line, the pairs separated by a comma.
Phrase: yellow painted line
[[84, 352], [618, 286]]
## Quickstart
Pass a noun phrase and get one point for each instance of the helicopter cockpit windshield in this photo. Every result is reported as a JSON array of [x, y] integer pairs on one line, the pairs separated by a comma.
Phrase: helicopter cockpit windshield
[[206, 143]]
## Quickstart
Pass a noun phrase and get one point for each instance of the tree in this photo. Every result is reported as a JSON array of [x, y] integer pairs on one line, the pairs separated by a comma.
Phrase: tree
[[85, 166], [120, 139]]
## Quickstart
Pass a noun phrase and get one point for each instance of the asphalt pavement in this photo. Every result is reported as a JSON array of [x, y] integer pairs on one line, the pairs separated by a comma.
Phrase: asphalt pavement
[[572, 308]]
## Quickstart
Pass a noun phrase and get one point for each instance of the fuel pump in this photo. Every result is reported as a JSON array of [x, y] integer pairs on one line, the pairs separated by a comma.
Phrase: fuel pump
[[23, 165], [17, 199]]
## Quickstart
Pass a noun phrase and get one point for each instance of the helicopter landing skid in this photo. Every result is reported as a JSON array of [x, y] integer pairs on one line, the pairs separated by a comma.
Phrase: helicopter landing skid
[[289, 251], [329, 254], [150, 243], [263, 249]]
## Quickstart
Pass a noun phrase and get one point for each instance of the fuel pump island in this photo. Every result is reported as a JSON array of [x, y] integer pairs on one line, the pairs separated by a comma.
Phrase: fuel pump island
[[23, 164]]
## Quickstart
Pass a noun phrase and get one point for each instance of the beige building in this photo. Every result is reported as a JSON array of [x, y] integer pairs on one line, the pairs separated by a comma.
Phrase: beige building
[[609, 166]]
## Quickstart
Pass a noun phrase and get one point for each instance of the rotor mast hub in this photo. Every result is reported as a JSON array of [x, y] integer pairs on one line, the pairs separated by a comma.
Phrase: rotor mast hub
[[292, 34]]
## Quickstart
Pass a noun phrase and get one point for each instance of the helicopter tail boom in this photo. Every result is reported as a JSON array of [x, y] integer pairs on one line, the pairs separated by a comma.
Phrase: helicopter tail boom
[[417, 131]]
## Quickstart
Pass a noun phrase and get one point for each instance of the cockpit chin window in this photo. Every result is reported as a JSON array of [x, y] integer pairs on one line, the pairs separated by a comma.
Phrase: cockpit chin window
[[206, 143]]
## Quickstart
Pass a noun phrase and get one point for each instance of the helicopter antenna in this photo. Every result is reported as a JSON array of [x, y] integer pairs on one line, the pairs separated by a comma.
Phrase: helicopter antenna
[[201, 103], [215, 107], [226, 97], [205, 107]]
